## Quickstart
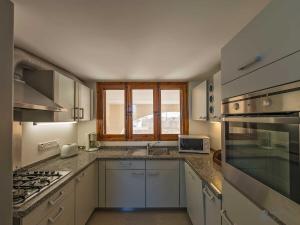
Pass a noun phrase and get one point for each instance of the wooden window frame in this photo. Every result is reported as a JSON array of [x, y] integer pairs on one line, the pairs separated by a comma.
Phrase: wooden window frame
[[128, 87], [101, 110], [184, 113]]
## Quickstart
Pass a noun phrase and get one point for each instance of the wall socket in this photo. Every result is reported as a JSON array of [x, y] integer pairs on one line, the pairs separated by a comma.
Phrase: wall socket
[[50, 145]]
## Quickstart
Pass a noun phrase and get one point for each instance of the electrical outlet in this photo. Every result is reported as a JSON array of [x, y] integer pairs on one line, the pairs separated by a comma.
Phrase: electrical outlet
[[50, 145]]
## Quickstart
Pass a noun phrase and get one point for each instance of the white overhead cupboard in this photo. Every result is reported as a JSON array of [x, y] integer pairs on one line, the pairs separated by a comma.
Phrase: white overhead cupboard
[[75, 97], [265, 53], [199, 101]]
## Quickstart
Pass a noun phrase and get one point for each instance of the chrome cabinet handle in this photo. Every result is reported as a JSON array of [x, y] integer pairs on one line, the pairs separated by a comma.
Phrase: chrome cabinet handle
[[136, 173], [257, 59], [208, 195], [81, 110], [75, 112], [60, 196], [153, 174], [225, 217], [60, 212], [125, 163]]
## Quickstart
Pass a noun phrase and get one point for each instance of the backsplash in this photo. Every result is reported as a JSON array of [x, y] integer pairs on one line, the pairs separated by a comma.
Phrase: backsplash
[[32, 135]]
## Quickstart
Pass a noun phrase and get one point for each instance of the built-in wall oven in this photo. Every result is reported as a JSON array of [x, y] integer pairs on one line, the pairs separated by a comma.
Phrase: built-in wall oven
[[261, 157]]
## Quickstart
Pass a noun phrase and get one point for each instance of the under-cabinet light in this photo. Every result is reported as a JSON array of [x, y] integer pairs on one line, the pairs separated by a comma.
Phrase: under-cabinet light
[[53, 123]]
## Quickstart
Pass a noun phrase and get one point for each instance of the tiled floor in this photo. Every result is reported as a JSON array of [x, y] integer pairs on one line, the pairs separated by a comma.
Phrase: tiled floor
[[143, 217]]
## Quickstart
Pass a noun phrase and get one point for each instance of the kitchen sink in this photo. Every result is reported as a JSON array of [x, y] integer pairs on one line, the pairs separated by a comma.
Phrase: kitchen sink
[[152, 152], [159, 151]]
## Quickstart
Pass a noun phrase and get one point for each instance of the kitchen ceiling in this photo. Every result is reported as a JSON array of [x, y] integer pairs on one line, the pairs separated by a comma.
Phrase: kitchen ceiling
[[131, 39]]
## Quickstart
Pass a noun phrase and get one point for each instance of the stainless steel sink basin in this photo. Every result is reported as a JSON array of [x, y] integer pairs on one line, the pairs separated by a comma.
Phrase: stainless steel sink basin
[[159, 151], [152, 152]]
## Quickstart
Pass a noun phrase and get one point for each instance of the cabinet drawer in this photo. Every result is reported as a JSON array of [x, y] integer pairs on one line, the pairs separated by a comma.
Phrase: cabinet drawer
[[237, 209], [51, 203], [125, 164], [272, 35], [63, 214], [162, 164]]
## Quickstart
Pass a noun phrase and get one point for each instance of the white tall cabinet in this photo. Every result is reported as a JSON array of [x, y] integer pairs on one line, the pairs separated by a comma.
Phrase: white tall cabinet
[[199, 102], [194, 196]]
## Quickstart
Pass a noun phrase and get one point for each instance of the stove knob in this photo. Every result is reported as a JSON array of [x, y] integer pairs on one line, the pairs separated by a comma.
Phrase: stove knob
[[236, 106]]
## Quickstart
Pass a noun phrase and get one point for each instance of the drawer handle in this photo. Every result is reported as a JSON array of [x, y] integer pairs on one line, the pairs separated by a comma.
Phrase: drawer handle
[[81, 110], [125, 163], [53, 202], [139, 174], [208, 194], [257, 59], [225, 217], [60, 212], [153, 174]]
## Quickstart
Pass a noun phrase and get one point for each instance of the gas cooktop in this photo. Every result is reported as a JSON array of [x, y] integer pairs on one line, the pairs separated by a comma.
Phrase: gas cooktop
[[27, 184]]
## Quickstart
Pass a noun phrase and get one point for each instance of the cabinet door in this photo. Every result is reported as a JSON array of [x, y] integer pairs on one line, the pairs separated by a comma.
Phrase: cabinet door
[[199, 102], [101, 185], [212, 207], [237, 209], [182, 196], [162, 188], [217, 102], [64, 95], [84, 102], [272, 35], [86, 194], [125, 188], [194, 196]]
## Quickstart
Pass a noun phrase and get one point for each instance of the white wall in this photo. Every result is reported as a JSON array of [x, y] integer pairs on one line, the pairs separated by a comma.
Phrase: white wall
[[32, 135], [6, 46]]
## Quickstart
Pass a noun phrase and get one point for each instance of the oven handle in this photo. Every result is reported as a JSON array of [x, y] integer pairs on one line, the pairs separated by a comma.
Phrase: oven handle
[[282, 120]]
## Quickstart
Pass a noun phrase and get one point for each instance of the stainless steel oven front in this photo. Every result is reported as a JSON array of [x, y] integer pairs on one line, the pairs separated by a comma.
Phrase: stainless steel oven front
[[261, 157]]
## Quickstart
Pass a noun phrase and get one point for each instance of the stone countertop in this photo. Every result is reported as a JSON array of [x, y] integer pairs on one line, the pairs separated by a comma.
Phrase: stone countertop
[[202, 164]]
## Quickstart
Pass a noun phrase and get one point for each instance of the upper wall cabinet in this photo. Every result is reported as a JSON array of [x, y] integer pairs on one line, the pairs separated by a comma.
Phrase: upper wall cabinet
[[199, 102], [59, 88], [273, 36], [83, 102], [64, 91]]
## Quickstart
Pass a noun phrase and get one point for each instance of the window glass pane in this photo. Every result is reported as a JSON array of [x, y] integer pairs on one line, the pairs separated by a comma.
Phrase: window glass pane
[[142, 111], [170, 111], [115, 111]]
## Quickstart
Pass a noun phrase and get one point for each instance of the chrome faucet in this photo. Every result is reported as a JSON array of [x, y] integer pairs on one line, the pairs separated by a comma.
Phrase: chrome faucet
[[149, 146]]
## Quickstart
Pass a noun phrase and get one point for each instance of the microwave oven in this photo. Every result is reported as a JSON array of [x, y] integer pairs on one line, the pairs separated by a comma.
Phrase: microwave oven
[[193, 144]]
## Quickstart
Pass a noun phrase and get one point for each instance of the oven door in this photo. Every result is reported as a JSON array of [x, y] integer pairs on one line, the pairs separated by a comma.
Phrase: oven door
[[261, 159]]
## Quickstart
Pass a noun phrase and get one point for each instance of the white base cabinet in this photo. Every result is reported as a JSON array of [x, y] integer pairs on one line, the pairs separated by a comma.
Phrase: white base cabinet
[[58, 209], [125, 188], [194, 196], [212, 207], [162, 184], [86, 195], [125, 184], [237, 209]]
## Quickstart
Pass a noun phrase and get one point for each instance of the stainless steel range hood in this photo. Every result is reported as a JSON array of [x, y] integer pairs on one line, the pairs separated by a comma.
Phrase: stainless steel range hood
[[26, 97]]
